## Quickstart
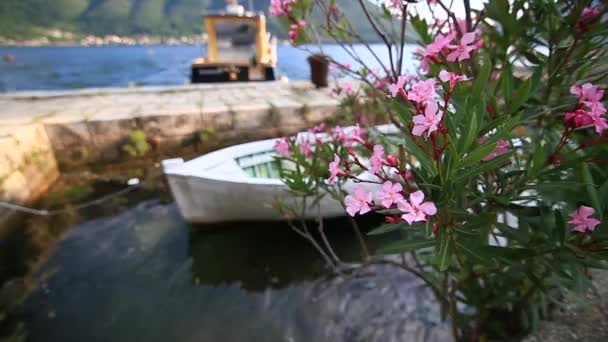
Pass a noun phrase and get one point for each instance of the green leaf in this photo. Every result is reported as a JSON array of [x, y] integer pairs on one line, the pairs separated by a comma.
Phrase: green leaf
[[590, 187], [420, 156], [507, 83], [471, 132], [483, 167], [387, 228], [561, 225], [507, 253], [444, 250], [484, 75], [406, 246], [537, 162], [604, 191], [477, 155], [524, 92]]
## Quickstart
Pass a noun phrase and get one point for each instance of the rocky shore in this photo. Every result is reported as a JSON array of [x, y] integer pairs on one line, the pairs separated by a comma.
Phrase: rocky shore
[[63, 38]]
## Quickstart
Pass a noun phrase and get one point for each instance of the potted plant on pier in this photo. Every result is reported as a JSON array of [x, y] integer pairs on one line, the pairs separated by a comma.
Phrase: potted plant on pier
[[319, 69]]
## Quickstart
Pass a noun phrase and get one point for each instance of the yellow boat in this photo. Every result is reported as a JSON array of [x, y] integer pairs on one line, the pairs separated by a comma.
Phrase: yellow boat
[[239, 49]]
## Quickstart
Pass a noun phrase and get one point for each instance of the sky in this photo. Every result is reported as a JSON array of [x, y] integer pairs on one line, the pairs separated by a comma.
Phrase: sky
[[457, 8]]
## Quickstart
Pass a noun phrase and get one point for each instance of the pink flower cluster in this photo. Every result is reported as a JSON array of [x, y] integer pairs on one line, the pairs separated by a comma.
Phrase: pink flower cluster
[[442, 49], [502, 147], [590, 110], [391, 194], [422, 94], [294, 30], [280, 8], [413, 209], [581, 220]]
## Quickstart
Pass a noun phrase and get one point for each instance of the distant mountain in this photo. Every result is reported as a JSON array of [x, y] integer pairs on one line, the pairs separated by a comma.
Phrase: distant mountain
[[31, 18]]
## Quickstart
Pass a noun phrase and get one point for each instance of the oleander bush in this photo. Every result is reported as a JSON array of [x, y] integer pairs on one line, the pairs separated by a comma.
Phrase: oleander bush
[[495, 174]]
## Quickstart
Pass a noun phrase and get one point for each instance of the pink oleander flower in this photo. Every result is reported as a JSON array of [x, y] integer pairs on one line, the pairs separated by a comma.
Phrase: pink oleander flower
[[394, 88], [587, 92], [581, 220], [356, 136], [502, 147], [432, 50], [348, 89], [306, 149], [446, 76], [600, 123], [377, 159], [396, 4], [579, 118], [334, 169], [282, 147], [463, 50], [429, 122], [422, 92], [415, 210], [359, 202], [339, 134], [280, 8], [597, 108], [590, 13], [294, 31], [582, 117], [591, 96], [320, 128], [390, 194]]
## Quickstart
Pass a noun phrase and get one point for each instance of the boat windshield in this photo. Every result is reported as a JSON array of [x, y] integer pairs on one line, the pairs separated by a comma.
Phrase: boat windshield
[[236, 41], [262, 165]]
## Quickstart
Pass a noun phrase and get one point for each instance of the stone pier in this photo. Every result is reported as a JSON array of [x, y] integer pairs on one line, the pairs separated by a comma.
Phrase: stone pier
[[43, 132]]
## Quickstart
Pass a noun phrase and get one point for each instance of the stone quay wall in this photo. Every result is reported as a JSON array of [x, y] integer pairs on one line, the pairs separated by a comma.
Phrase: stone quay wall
[[42, 133]]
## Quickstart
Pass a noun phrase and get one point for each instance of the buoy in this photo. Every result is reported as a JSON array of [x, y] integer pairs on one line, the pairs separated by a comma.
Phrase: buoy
[[8, 58]]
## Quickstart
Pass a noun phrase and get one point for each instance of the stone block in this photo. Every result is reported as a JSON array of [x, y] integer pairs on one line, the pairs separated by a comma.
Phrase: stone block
[[109, 135], [10, 158], [243, 136], [290, 112], [161, 126], [319, 113], [15, 188], [253, 116], [69, 135], [217, 119]]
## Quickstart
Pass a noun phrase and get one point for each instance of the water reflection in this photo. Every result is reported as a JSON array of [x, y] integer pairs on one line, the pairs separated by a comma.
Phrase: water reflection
[[145, 274]]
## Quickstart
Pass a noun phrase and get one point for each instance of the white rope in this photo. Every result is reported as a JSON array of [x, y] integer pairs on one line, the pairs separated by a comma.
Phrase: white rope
[[97, 201]]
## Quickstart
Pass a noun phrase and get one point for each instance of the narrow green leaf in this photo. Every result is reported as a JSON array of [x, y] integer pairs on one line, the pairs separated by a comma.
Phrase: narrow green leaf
[[590, 187], [444, 250], [537, 162], [419, 155], [406, 246], [470, 133], [483, 167], [387, 228], [484, 74], [562, 228], [477, 155]]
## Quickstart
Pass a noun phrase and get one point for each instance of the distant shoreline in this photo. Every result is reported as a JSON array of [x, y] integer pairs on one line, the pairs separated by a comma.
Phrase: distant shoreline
[[108, 40]]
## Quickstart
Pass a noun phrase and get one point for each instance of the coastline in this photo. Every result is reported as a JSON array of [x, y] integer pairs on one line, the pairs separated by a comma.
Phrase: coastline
[[66, 39]]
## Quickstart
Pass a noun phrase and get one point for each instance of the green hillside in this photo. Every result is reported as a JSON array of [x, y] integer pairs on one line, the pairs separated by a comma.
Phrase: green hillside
[[29, 18]]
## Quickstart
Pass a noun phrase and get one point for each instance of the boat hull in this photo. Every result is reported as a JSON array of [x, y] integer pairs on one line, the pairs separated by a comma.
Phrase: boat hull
[[221, 186], [202, 200], [217, 74]]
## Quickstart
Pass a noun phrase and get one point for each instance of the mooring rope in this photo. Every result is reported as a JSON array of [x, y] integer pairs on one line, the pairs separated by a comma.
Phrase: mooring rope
[[68, 208]]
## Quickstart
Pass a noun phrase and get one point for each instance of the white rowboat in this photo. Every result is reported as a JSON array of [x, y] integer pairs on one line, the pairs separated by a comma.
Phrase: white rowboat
[[238, 183]]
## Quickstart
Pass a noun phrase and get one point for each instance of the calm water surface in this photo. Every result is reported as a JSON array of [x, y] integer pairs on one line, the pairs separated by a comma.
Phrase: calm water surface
[[146, 275], [55, 68]]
